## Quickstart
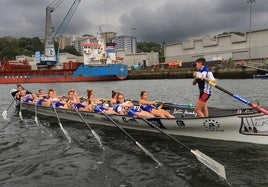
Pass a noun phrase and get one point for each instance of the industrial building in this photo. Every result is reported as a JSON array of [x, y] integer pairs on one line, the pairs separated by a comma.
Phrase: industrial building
[[250, 46]]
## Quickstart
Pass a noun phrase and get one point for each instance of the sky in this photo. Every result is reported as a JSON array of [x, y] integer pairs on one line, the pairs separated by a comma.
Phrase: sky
[[160, 21]]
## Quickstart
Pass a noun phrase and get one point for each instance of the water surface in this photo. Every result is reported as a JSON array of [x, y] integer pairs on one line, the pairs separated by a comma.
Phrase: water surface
[[41, 156]]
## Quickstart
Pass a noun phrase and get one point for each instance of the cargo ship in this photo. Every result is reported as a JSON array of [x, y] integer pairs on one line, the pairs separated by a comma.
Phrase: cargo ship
[[21, 72], [100, 64]]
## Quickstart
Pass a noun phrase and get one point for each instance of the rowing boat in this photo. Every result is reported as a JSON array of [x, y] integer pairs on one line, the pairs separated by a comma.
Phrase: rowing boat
[[241, 125]]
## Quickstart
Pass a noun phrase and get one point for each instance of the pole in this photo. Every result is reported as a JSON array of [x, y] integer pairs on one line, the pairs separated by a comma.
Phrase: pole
[[250, 26], [134, 44]]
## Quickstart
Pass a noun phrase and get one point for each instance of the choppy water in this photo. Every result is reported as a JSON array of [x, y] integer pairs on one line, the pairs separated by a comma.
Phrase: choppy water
[[41, 156]]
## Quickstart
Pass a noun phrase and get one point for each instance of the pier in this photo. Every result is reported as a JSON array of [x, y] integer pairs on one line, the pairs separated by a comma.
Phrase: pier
[[182, 73]]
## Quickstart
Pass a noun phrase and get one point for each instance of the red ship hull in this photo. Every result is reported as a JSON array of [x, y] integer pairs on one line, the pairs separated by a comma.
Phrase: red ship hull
[[55, 80], [20, 73]]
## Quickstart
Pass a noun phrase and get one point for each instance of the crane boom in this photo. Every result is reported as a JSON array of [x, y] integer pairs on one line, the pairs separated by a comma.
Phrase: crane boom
[[67, 18], [55, 3]]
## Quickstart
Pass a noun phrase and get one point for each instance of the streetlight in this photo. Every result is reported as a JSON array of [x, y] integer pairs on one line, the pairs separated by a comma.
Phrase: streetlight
[[250, 13], [134, 44]]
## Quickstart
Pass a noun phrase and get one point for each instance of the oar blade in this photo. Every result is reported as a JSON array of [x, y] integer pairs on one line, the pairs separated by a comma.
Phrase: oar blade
[[35, 117], [148, 153], [66, 133], [4, 114], [20, 115], [36, 120], [210, 163], [96, 137], [61, 127], [92, 131]]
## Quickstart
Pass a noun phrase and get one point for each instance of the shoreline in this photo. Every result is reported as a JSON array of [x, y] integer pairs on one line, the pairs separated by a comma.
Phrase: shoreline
[[182, 73]]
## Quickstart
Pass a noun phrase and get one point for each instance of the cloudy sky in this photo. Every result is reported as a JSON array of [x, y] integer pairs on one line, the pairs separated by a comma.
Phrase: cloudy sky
[[154, 20]]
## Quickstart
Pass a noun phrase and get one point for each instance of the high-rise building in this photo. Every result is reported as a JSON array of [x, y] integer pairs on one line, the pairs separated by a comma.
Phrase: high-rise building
[[127, 43], [107, 35]]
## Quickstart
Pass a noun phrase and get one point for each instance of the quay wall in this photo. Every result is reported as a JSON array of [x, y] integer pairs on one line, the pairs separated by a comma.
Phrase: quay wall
[[224, 73]]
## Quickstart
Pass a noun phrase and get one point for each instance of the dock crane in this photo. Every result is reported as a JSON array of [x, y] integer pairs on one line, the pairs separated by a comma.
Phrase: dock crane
[[50, 57], [66, 22]]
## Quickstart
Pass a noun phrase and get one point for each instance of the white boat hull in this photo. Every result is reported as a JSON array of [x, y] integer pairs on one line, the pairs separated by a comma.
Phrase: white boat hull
[[252, 128]]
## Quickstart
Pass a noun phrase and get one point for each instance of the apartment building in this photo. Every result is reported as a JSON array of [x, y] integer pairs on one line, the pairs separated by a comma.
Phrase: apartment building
[[127, 43]]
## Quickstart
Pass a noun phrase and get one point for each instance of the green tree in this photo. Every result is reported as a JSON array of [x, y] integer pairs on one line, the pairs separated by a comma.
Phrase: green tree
[[151, 47], [148, 47], [9, 48], [37, 44], [232, 32], [230, 62], [71, 50]]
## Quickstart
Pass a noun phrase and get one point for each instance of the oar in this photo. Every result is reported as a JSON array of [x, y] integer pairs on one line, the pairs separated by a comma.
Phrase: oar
[[63, 130], [20, 113], [147, 152], [4, 113], [187, 105], [35, 117], [92, 131], [201, 157], [255, 106]]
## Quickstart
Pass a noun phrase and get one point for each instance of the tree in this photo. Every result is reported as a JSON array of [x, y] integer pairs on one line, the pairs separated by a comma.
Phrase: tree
[[11, 47], [148, 47], [71, 50], [37, 44], [232, 32]]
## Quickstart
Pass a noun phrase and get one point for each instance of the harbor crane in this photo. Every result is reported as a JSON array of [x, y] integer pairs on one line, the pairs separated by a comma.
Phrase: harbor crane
[[50, 57]]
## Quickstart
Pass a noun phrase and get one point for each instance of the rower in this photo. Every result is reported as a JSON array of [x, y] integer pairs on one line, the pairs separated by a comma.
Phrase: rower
[[21, 92], [74, 101], [124, 107], [54, 100], [98, 107], [149, 107]]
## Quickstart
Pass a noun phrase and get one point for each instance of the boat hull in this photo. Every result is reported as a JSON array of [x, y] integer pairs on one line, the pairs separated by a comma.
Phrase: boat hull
[[252, 128], [260, 76], [23, 80], [84, 73]]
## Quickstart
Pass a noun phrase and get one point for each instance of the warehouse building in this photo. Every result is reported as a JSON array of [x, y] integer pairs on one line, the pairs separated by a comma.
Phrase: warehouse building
[[250, 46]]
